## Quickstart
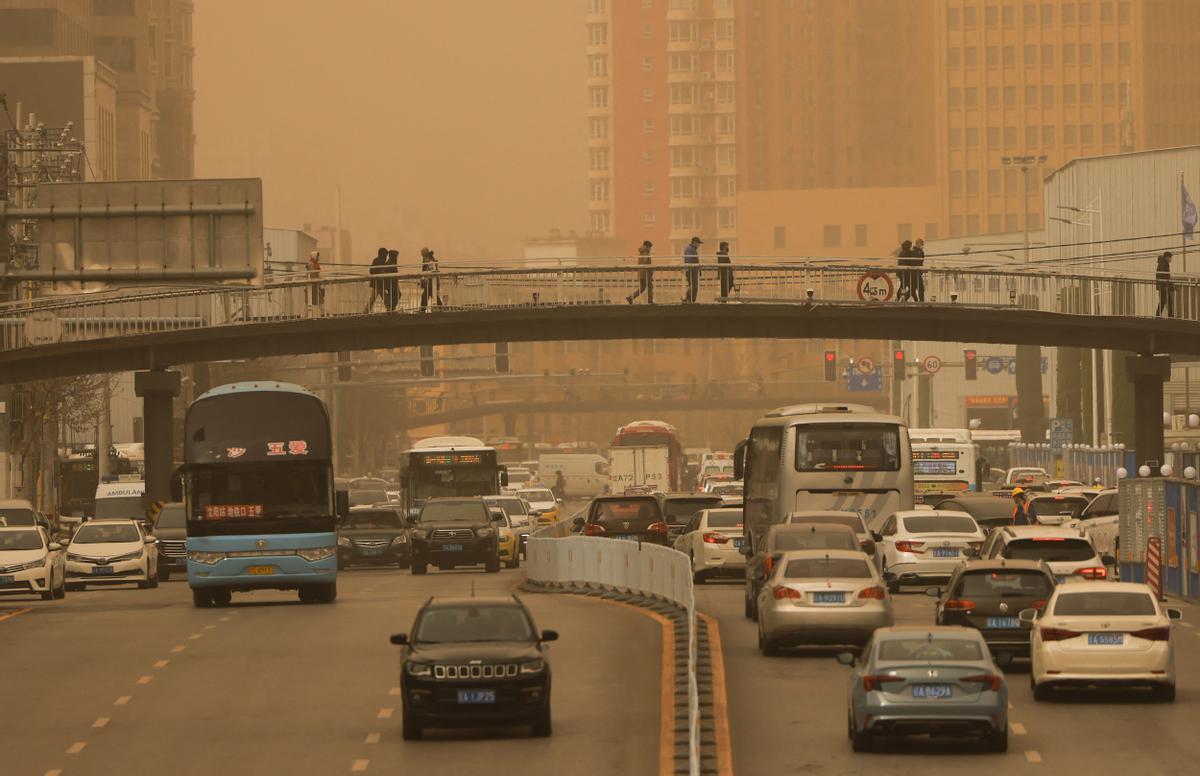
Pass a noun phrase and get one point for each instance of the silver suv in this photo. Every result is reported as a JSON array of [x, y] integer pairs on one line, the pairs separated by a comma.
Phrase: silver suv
[[1068, 552]]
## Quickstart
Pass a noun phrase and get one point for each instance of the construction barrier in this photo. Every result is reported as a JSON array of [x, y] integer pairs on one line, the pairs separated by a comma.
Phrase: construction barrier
[[1160, 515]]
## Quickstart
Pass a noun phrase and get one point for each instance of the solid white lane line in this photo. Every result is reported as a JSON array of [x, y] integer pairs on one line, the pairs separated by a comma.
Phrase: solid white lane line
[[1017, 728], [77, 747], [122, 700], [178, 648], [359, 766], [145, 679], [195, 636], [372, 738], [1032, 756], [101, 722], [384, 713], [394, 691], [161, 663]]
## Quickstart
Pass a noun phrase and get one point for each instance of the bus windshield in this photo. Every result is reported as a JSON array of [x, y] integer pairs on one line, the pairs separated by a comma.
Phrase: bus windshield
[[846, 447], [268, 490]]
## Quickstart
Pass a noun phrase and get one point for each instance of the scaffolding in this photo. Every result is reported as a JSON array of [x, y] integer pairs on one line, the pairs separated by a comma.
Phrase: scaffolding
[[33, 156]]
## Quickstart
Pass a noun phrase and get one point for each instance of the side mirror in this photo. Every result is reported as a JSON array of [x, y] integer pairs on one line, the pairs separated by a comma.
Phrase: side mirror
[[933, 592], [845, 658], [746, 549], [876, 536], [399, 639], [177, 484], [54, 546], [1174, 614], [504, 477], [559, 500], [341, 504], [1108, 560], [739, 460], [410, 521], [578, 522], [1027, 615], [549, 635]]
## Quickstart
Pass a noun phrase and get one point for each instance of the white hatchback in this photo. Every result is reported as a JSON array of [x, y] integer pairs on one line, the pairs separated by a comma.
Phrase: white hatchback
[[30, 563], [111, 552], [1102, 634]]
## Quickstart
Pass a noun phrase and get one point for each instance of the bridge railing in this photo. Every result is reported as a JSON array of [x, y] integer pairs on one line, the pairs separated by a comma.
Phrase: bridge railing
[[113, 313]]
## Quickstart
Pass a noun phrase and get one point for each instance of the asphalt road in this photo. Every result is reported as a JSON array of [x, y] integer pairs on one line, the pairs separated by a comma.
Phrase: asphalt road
[[788, 714], [139, 682]]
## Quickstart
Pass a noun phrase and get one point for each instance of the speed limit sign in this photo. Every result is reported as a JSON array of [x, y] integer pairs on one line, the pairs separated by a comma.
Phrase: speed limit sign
[[931, 364]]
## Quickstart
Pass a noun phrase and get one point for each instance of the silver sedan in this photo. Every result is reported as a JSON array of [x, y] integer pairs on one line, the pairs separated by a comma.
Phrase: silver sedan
[[821, 597], [936, 680]]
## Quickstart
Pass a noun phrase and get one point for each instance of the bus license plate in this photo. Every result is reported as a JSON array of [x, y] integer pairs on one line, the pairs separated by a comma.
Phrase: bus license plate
[[1003, 622], [260, 570], [932, 691], [476, 696], [945, 552], [829, 598], [1107, 639], [452, 548], [102, 570]]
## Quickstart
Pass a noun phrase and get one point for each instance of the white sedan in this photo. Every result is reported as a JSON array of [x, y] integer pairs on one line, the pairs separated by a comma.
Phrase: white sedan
[[712, 540], [111, 552], [1102, 634], [30, 563], [922, 546]]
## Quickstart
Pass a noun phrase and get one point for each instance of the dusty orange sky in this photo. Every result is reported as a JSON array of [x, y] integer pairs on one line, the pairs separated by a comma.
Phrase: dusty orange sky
[[454, 123]]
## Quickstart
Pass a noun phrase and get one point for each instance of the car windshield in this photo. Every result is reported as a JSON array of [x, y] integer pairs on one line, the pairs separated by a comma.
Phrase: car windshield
[[454, 512], [827, 568], [851, 521], [171, 517], [727, 490], [848, 447], [367, 497], [120, 507], [680, 510], [515, 476], [939, 524], [473, 623], [15, 516], [537, 495], [1051, 550], [925, 648], [1104, 604], [725, 519], [103, 534], [1004, 583], [20, 540], [1058, 505], [513, 506], [815, 540], [379, 518], [646, 508]]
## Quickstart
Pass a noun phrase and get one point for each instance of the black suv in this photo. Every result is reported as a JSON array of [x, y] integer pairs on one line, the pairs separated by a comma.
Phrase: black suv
[[987, 595], [638, 518], [170, 528], [679, 508], [373, 536], [472, 662], [452, 532]]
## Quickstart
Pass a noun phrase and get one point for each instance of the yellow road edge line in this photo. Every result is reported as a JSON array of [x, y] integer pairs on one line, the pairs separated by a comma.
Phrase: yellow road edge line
[[9, 615], [666, 704], [720, 700]]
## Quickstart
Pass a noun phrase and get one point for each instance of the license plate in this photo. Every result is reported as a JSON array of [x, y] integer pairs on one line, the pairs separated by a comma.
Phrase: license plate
[[627, 537], [263, 570], [829, 598], [945, 552], [1107, 639], [7, 579], [102, 570], [932, 691], [737, 543], [476, 696], [1060, 580], [452, 548], [370, 550], [1003, 622]]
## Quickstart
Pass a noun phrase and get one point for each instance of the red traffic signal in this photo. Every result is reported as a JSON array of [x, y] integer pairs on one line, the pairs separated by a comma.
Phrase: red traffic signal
[[969, 365], [898, 363], [830, 365]]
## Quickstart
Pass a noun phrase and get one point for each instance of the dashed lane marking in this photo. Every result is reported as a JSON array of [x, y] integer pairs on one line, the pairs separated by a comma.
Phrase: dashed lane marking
[[124, 699], [385, 713], [209, 627], [161, 663], [100, 722], [145, 679], [1032, 756], [226, 619], [195, 636], [55, 772], [76, 747], [15, 613], [1017, 728], [394, 691], [372, 738], [179, 648], [1186, 624], [359, 766]]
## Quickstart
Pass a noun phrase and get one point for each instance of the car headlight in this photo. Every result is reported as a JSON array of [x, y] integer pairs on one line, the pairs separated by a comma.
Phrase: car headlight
[[207, 558], [533, 666], [419, 669], [344, 541], [485, 533], [401, 539], [33, 564], [316, 553], [127, 556]]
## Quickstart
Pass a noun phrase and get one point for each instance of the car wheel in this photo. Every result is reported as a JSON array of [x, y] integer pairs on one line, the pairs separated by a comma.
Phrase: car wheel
[[748, 606], [1041, 692], [201, 599], [1165, 693], [542, 727], [144, 585], [860, 740], [341, 565], [164, 574], [419, 567], [893, 585], [765, 645], [409, 729], [493, 565], [48, 593], [75, 587], [512, 564], [153, 581], [998, 742], [698, 577], [61, 591]]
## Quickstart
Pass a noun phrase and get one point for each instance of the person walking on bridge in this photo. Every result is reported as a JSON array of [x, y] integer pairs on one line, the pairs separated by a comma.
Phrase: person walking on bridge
[[430, 292], [905, 260], [316, 294], [725, 272], [916, 280], [691, 259], [645, 276], [391, 288], [377, 283], [1162, 277]]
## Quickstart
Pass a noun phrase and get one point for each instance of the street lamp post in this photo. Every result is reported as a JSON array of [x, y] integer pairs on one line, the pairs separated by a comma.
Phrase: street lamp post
[[1024, 163]]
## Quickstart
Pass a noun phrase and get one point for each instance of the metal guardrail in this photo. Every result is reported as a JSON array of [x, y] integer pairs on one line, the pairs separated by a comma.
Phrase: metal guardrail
[[356, 295]]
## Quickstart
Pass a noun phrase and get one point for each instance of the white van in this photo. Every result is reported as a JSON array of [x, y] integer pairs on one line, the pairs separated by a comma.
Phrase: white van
[[585, 475], [123, 498]]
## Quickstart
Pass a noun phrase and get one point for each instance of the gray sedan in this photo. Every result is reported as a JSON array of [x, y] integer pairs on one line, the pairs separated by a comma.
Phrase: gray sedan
[[939, 681]]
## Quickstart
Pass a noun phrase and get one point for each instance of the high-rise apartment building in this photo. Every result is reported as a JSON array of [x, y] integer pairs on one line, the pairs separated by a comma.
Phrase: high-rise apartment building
[[662, 120]]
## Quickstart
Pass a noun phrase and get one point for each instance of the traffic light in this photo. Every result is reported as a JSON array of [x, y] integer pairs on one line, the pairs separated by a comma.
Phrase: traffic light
[[969, 364], [899, 372], [502, 358], [427, 361], [830, 366]]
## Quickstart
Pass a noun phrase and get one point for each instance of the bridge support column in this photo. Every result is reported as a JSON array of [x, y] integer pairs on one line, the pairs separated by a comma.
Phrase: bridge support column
[[157, 389], [1148, 374]]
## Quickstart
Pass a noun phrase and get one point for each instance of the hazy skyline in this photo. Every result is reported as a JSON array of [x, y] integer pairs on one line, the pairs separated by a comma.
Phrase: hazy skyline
[[454, 123]]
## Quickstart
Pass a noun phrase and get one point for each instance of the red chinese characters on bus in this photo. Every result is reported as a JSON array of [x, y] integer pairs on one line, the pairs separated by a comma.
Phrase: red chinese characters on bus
[[231, 511]]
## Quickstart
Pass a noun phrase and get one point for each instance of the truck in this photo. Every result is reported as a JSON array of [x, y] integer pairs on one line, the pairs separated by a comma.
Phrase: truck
[[631, 469]]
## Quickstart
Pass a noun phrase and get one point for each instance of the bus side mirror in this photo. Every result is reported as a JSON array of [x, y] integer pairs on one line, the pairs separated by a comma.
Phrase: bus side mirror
[[341, 501], [504, 476], [177, 484], [739, 460]]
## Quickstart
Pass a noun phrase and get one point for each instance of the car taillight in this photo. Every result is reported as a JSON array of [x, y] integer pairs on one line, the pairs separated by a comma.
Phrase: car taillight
[[876, 681], [878, 593], [593, 529], [716, 538], [782, 593], [989, 681], [1153, 634], [768, 565], [658, 527], [1057, 634], [959, 604], [1095, 572], [909, 546], [1039, 605]]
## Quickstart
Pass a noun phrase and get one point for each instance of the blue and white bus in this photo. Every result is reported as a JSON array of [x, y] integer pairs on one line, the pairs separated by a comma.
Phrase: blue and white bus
[[259, 495]]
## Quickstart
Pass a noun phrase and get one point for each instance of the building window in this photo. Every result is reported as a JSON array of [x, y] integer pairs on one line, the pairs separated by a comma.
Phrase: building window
[[1011, 223], [956, 183], [648, 94], [1068, 13], [992, 56], [904, 232], [953, 19], [955, 138], [597, 34], [993, 183], [647, 157], [647, 63], [598, 128], [727, 186], [1085, 12], [1086, 94], [685, 218], [1068, 94], [780, 237], [1047, 14], [971, 97], [993, 96], [1107, 53], [119, 53], [991, 16], [727, 155], [1009, 15], [647, 126], [1010, 137], [1031, 95], [1030, 14], [1047, 54], [726, 124], [993, 137], [1048, 95], [860, 235], [1010, 96], [1010, 56], [726, 94], [954, 97], [969, 19], [956, 226], [115, 7], [931, 231], [599, 158], [726, 218], [685, 188], [1030, 56], [648, 218], [833, 236], [1031, 137], [1048, 136], [599, 191], [953, 58], [1108, 93], [683, 156], [724, 29], [647, 32], [972, 182], [598, 96], [681, 32], [598, 64], [647, 187], [995, 223], [1085, 52], [599, 223], [684, 125], [1087, 134], [683, 94], [725, 61], [1068, 57], [1110, 134], [972, 224], [1106, 11], [972, 136], [1124, 52], [1010, 180], [1069, 134]]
